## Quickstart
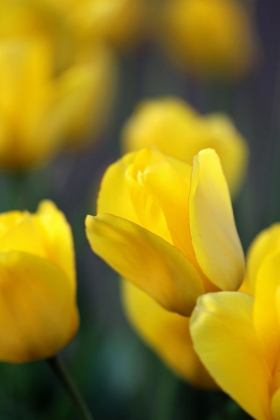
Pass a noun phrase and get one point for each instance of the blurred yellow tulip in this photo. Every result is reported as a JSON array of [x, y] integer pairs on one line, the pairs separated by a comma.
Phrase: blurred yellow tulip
[[209, 37], [35, 20], [168, 227], [167, 333], [38, 111], [55, 91], [237, 337], [38, 284], [118, 22], [178, 130], [85, 95]]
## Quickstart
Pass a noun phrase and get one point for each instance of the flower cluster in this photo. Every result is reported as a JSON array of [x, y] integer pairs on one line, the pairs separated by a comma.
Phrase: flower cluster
[[164, 221]]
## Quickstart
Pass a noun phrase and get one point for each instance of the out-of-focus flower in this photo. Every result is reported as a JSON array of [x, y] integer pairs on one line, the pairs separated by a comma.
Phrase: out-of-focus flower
[[39, 111], [178, 130], [118, 22], [33, 19], [237, 336], [55, 91], [209, 37], [167, 333], [85, 94], [38, 284], [168, 227]]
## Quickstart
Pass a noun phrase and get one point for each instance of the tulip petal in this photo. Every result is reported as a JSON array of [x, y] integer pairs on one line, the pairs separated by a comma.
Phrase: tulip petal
[[149, 212], [266, 243], [215, 239], [225, 340], [58, 240], [19, 233], [146, 260], [275, 389], [265, 307], [167, 333], [38, 315], [275, 405], [114, 196], [230, 147], [167, 186]]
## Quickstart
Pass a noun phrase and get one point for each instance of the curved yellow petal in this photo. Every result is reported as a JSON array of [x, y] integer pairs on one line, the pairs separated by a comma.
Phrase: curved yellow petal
[[8, 220], [265, 308], [57, 238], [225, 340], [148, 210], [215, 240], [19, 233], [38, 314], [171, 191], [276, 368], [275, 405], [114, 195], [167, 333], [266, 243], [230, 146], [146, 260]]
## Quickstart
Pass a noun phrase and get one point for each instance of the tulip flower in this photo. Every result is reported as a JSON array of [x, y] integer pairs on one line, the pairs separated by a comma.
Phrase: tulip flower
[[178, 130], [209, 37], [21, 19], [55, 90], [237, 337], [38, 284], [167, 334], [85, 95], [39, 111], [168, 227], [119, 23]]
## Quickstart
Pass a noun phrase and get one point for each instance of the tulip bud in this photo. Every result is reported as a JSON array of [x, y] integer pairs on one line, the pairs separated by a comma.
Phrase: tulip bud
[[209, 37], [39, 315]]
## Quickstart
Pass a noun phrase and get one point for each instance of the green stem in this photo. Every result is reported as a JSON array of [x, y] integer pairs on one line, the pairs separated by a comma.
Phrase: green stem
[[62, 374]]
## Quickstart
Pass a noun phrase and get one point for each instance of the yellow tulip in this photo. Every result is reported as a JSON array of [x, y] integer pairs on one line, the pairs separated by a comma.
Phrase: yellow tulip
[[38, 284], [55, 90], [237, 336], [168, 227], [209, 37], [85, 94], [118, 22], [167, 333], [39, 111], [178, 130], [36, 20]]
